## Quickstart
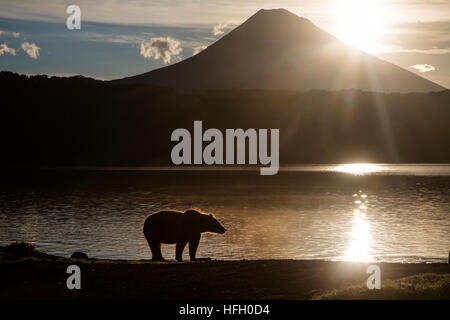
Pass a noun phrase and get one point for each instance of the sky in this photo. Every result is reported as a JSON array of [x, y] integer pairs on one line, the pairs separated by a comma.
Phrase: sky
[[121, 38]]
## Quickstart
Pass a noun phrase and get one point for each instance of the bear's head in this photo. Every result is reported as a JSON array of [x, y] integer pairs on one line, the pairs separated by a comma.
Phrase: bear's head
[[213, 225], [207, 222]]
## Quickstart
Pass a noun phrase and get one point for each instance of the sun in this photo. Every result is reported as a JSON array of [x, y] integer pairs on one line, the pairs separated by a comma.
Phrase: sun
[[360, 23]]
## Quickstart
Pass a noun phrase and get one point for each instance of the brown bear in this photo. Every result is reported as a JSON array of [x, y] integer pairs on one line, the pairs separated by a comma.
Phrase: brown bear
[[180, 228]]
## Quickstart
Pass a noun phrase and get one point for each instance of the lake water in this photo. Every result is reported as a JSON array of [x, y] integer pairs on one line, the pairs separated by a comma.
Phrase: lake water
[[335, 212]]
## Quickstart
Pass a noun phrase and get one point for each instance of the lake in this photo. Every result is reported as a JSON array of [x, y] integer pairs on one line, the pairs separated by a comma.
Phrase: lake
[[354, 212]]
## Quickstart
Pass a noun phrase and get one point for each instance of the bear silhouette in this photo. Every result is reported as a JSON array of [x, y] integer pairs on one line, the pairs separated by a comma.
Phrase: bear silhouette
[[180, 228]]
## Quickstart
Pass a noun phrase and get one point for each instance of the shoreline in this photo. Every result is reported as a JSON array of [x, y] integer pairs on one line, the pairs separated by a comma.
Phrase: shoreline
[[44, 278]]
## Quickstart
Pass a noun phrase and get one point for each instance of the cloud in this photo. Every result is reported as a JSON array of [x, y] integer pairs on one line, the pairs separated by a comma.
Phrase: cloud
[[109, 37], [31, 49], [198, 49], [5, 49], [428, 51], [7, 33], [419, 35], [138, 12], [423, 67], [161, 48], [218, 29], [399, 49]]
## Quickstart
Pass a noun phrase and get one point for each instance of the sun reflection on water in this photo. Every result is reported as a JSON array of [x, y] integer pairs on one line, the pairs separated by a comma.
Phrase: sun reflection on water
[[359, 244], [357, 168]]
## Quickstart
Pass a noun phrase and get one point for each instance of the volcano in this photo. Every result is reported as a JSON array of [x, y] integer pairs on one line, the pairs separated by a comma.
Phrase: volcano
[[278, 50]]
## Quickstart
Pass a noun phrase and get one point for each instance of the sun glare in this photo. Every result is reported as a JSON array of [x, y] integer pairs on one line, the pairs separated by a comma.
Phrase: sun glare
[[357, 168], [360, 23]]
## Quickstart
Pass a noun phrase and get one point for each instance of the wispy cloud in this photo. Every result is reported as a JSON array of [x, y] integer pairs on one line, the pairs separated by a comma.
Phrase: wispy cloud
[[31, 49], [198, 49], [423, 67], [420, 2], [419, 35], [5, 49], [141, 12], [428, 51], [9, 33], [161, 48], [219, 29], [110, 38], [399, 49]]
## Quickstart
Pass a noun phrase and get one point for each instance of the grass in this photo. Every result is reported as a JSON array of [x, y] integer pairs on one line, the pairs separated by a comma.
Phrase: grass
[[421, 286], [20, 250]]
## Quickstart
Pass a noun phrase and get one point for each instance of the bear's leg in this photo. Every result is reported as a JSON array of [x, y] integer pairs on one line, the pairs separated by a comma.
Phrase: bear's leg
[[156, 251], [193, 245], [179, 250]]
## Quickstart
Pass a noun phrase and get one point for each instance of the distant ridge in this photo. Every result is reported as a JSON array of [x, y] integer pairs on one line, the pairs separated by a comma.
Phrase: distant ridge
[[131, 125], [275, 49]]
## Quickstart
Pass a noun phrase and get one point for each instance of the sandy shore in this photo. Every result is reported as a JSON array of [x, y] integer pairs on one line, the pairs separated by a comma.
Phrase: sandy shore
[[37, 278]]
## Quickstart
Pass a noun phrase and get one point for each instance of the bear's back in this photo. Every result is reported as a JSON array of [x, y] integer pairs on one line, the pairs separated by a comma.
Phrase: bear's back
[[164, 217], [164, 225]]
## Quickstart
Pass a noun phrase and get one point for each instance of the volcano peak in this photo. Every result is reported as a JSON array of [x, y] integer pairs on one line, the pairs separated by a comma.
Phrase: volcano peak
[[276, 49]]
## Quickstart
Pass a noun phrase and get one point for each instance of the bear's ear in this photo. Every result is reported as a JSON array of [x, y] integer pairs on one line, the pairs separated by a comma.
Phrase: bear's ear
[[211, 215]]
